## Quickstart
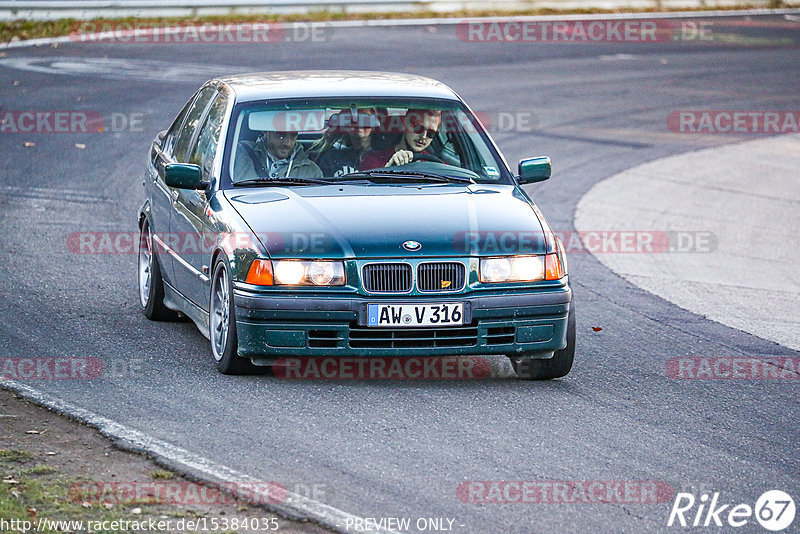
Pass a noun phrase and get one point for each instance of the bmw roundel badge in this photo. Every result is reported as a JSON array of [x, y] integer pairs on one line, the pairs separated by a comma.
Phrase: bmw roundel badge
[[412, 245]]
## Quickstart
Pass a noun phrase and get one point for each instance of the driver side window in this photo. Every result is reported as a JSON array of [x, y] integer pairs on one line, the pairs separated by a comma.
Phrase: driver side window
[[193, 117], [206, 148], [174, 130]]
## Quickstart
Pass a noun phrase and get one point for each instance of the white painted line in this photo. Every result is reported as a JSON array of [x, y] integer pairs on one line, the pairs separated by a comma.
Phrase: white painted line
[[445, 21], [118, 68], [294, 507], [730, 214], [49, 193]]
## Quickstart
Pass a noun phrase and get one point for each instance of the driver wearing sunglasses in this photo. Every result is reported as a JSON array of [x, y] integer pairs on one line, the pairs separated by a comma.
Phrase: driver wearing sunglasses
[[420, 127]]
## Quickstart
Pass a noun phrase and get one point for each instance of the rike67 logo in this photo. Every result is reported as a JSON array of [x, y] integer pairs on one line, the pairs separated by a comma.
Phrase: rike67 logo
[[774, 510]]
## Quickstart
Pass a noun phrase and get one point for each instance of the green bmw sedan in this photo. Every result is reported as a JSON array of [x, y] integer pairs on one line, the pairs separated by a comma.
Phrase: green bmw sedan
[[354, 214]]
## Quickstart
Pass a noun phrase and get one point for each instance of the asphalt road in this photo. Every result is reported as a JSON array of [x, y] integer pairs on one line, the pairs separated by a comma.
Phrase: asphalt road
[[401, 449]]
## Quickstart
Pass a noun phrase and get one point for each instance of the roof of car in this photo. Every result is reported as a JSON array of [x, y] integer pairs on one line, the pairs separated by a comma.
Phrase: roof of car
[[334, 83]]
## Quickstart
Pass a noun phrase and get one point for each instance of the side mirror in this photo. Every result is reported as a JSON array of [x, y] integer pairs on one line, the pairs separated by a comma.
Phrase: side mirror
[[532, 170], [184, 176]]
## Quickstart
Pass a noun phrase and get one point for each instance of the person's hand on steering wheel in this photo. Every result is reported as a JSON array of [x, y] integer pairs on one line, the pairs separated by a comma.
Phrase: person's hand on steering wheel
[[401, 157], [404, 157]]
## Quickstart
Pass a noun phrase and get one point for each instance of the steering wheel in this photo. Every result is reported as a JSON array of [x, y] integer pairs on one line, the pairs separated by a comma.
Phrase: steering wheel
[[419, 156]]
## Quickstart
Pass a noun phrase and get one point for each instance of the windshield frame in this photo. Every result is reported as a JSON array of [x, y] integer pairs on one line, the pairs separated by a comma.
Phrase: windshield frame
[[226, 181]]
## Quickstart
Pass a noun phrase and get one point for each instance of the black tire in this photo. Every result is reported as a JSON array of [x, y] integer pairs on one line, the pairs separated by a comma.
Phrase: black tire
[[557, 366], [222, 325], [151, 285]]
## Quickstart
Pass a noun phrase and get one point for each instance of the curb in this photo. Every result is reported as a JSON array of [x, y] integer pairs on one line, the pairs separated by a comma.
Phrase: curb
[[196, 468], [444, 21]]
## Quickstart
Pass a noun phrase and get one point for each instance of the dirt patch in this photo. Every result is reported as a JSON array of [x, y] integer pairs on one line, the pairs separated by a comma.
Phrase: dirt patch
[[56, 469]]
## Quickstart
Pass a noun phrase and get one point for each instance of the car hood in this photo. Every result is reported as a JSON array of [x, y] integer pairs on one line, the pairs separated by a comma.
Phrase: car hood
[[373, 221]]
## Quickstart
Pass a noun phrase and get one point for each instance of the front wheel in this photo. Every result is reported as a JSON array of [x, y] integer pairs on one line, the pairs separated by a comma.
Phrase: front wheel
[[222, 325], [559, 365]]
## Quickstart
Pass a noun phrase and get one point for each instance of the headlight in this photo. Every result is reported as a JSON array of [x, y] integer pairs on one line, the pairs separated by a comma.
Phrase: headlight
[[512, 269], [309, 273], [525, 268], [296, 273]]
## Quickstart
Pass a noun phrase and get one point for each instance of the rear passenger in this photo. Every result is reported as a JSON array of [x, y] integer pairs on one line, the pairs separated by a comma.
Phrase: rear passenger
[[345, 142]]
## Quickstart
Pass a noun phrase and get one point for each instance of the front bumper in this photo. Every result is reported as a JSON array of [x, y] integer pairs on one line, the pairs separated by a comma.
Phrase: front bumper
[[270, 326]]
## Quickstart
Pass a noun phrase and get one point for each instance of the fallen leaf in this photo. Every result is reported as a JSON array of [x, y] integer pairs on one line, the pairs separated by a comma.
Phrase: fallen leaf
[[108, 505], [80, 145], [32, 513], [136, 511], [28, 144], [597, 328]]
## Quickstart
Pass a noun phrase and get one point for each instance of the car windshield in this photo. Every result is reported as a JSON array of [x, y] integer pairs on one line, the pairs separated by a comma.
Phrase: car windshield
[[378, 140]]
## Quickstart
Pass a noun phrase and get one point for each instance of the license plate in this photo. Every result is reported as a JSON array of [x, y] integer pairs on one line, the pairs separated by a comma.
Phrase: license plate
[[394, 315]]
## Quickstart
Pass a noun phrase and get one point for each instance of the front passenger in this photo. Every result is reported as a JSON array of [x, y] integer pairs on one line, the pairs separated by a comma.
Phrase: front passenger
[[274, 155]]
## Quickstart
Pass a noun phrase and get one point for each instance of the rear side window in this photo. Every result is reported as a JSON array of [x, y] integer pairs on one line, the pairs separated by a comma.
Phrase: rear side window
[[193, 117]]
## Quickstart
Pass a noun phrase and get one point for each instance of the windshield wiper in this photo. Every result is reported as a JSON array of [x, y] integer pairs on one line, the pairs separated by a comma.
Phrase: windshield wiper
[[281, 181], [408, 175]]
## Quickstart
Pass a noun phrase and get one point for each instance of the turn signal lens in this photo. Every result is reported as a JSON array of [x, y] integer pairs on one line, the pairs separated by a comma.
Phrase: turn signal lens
[[555, 265], [260, 273], [552, 267]]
